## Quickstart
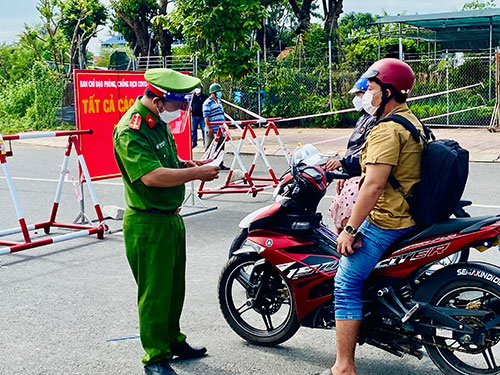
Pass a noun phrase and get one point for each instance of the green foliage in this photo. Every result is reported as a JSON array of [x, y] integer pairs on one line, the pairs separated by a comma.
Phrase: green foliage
[[470, 72], [221, 30], [15, 60], [479, 4], [64, 32], [354, 23], [30, 103], [80, 19], [134, 13]]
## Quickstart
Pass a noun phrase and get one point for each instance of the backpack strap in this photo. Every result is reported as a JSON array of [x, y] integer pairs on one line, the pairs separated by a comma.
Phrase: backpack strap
[[416, 134]]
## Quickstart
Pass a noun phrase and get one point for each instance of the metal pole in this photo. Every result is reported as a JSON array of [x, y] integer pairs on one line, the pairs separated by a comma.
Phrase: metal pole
[[379, 37], [401, 57], [258, 84], [490, 59], [264, 42], [447, 88], [330, 86]]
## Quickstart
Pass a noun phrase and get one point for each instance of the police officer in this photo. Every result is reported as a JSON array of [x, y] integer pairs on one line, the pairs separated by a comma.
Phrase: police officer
[[153, 230]]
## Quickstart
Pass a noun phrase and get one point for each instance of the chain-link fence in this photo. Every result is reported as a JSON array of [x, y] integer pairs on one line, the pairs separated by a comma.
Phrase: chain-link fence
[[449, 91], [453, 91], [465, 86]]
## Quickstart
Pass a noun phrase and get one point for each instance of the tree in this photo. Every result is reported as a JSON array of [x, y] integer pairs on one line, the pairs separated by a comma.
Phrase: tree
[[302, 11], [133, 20], [333, 10], [15, 60], [66, 29], [221, 30], [46, 39], [79, 22]]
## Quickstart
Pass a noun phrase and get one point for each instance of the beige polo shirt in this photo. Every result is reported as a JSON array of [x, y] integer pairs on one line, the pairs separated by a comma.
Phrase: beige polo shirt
[[390, 143]]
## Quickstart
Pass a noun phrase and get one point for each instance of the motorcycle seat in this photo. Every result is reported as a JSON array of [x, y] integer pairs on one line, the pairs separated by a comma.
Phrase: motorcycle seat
[[443, 227]]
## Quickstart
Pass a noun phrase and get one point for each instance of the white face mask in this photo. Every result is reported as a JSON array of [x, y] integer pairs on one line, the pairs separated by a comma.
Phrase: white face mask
[[170, 116], [367, 104], [197, 91], [357, 102]]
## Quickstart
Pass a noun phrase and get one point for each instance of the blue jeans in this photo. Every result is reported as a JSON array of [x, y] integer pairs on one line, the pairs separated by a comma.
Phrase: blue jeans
[[195, 122], [354, 269]]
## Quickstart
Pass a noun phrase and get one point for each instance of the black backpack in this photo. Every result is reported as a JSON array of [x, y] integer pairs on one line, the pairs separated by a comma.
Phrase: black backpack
[[444, 171]]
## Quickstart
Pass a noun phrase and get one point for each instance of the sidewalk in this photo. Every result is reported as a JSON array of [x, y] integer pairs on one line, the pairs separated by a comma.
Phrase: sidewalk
[[483, 146]]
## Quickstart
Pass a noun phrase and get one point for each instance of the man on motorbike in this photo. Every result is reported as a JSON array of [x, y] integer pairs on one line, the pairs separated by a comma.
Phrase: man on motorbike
[[381, 214]]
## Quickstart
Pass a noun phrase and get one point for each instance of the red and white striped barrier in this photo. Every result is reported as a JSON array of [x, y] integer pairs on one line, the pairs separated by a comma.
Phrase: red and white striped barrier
[[8, 246], [248, 183]]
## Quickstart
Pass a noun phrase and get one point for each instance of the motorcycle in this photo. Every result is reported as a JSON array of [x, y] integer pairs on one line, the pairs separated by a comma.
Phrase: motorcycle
[[423, 293]]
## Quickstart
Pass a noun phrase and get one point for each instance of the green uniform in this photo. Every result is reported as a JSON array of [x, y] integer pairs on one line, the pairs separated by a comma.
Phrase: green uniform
[[154, 234]]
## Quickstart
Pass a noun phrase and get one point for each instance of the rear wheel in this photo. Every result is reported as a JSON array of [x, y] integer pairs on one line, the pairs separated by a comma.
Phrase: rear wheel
[[454, 356], [257, 301]]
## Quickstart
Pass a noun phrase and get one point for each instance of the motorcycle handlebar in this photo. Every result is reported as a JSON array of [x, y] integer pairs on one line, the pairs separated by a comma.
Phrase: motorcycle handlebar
[[330, 176]]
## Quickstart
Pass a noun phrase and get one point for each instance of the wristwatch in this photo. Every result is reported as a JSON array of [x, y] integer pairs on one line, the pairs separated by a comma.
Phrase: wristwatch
[[350, 230]]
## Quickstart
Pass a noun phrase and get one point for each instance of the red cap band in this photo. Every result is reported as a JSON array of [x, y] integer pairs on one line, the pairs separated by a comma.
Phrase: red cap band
[[155, 90]]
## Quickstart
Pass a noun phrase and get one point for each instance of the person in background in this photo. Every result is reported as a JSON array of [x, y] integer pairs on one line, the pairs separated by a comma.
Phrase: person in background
[[347, 191], [197, 120], [153, 230], [381, 214], [214, 112]]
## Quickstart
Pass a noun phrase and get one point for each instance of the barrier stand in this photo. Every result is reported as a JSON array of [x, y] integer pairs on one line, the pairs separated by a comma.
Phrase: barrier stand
[[248, 183], [83, 230]]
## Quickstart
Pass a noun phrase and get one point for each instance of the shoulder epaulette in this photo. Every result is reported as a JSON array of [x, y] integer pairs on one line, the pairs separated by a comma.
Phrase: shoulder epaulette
[[135, 121]]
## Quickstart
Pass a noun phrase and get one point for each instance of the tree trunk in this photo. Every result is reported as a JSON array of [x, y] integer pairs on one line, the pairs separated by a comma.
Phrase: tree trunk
[[144, 43], [303, 14], [333, 10]]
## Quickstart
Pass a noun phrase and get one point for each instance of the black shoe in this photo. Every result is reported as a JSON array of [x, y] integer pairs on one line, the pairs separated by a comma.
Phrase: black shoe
[[186, 351], [223, 167], [159, 368]]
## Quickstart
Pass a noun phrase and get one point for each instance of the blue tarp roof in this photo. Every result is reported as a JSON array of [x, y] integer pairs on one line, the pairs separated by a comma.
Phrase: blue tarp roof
[[117, 39]]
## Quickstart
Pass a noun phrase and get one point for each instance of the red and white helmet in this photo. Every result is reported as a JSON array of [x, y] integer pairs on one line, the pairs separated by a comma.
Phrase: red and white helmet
[[393, 72]]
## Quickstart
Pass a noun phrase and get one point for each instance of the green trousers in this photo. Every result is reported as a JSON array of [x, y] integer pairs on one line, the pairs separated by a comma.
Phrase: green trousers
[[156, 252]]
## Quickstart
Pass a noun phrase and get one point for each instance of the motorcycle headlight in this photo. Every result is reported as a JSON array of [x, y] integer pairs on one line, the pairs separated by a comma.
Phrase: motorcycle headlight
[[251, 246]]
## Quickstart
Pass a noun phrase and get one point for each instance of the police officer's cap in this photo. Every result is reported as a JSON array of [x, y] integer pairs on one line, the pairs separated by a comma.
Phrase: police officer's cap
[[166, 82]]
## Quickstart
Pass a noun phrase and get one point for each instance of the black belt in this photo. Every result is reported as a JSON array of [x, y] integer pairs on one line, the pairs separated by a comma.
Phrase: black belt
[[173, 211]]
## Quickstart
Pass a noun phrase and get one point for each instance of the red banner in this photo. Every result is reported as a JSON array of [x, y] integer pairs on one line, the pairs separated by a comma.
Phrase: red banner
[[101, 99]]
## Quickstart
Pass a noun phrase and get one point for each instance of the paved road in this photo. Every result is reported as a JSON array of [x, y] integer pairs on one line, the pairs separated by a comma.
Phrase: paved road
[[70, 308]]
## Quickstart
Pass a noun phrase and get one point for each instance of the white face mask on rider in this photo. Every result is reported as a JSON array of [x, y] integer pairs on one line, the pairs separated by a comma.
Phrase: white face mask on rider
[[357, 102], [167, 116], [367, 103]]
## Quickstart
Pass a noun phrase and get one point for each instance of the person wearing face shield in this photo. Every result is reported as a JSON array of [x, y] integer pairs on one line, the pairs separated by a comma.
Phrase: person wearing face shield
[[214, 112], [381, 214], [347, 191], [153, 230], [197, 120]]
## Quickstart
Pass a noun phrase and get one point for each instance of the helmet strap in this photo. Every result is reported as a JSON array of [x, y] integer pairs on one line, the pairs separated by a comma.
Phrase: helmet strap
[[385, 99]]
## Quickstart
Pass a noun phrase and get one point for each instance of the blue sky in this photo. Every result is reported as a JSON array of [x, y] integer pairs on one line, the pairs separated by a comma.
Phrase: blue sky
[[15, 13]]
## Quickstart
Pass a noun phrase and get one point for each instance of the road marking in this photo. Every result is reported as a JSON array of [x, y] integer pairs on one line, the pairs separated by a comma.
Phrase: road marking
[[331, 140], [56, 181]]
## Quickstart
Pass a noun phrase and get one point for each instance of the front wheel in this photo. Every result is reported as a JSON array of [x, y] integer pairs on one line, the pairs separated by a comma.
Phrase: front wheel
[[459, 357], [256, 301]]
